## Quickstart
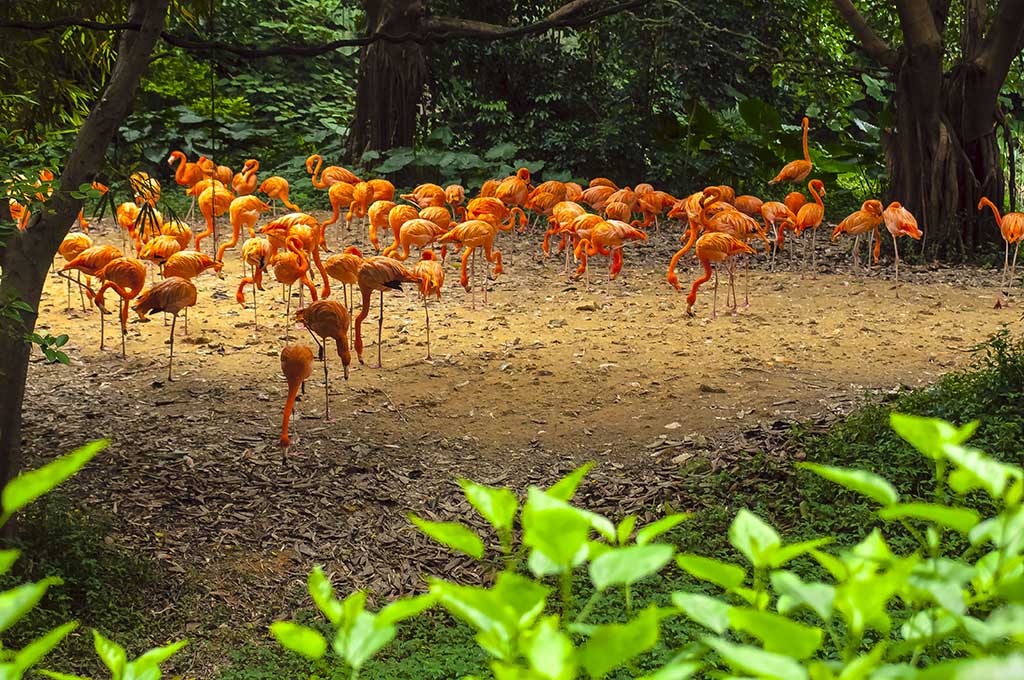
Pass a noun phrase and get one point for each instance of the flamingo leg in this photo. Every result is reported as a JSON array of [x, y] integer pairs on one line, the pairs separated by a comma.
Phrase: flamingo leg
[[186, 321], [380, 330], [732, 286], [1013, 266], [746, 281], [255, 319], [287, 312], [81, 292], [472, 277], [814, 252], [327, 387], [426, 310], [897, 249], [856, 249], [170, 358], [714, 296], [69, 296], [1006, 265], [101, 329], [124, 325]]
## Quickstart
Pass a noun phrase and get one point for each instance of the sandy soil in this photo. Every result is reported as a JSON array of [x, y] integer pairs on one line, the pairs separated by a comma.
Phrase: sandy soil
[[547, 375]]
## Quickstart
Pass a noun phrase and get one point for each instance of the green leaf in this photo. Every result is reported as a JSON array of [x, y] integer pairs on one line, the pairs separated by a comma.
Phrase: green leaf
[[624, 566], [785, 553], [959, 519], [300, 639], [158, 655], [30, 485], [676, 670], [322, 592], [865, 483], [7, 560], [565, 488], [756, 661], [365, 637], [625, 529], [550, 651], [501, 151], [58, 676], [560, 534], [406, 608], [110, 653], [612, 645], [497, 505], [976, 470], [17, 602], [777, 633], [929, 435], [794, 593], [30, 654], [989, 668], [753, 537], [720, 573], [655, 529], [707, 611], [452, 534]]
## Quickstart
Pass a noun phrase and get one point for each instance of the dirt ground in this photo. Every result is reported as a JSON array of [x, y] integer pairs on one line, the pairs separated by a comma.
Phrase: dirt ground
[[544, 377]]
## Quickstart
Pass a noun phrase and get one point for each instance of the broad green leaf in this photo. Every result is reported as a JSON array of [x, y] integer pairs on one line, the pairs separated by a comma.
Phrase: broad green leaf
[[550, 651], [54, 675], [707, 611], [990, 668], [756, 661], [776, 632], [676, 670], [560, 533], [30, 485], [110, 653], [753, 537], [352, 605], [501, 151], [613, 645], [929, 435], [322, 592], [497, 505], [958, 519], [720, 573], [17, 602], [30, 654], [785, 553], [565, 488], [406, 608], [158, 655], [976, 470], [625, 529], [794, 593], [452, 534], [862, 667], [364, 638], [538, 500], [624, 566], [655, 529], [865, 483], [926, 627], [300, 639]]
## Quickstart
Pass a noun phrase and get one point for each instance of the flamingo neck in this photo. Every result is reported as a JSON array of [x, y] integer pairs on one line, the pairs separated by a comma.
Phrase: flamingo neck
[[807, 153], [817, 198]]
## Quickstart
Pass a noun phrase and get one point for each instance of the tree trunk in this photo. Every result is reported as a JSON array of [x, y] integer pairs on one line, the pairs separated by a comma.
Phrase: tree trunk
[[28, 254], [391, 80]]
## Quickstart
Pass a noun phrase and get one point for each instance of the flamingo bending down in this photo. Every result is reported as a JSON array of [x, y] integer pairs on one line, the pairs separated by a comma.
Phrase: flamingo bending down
[[256, 253], [472, 235], [126, 277], [860, 222], [430, 273], [378, 273], [277, 189], [297, 365], [328, 319], [171, 296], [344, 268], [714, 247], [777, 217], [291, 267], [607, 238], [244, 211], [70, 248]]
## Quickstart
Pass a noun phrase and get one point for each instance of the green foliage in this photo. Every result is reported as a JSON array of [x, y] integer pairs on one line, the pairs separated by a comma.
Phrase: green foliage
[[18, 602], [956, 597]]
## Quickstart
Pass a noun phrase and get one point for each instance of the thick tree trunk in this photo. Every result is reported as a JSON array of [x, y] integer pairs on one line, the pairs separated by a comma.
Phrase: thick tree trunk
[[28, 254], [391, 79]]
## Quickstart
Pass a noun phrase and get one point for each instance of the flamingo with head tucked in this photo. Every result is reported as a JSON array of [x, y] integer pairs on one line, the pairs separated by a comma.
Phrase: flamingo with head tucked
[[1011, 228]]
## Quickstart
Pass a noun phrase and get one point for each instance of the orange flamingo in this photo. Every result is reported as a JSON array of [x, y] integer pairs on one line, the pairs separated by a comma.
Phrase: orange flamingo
[[340, 194], [291, 267], [603, 182], [189, 264], [70, 248], [491, 209], [472, 235], [438, 215], [187, 174], [749, 205], [178, 230], [1011, 227], [213, 203], [365, 193], [426, 195], [607, 237], [863, 221], [778, 218], [398, 216], [900, 222], [159, 249], [513, 191], [88, 262], [256, 253], [418, 232], [297, 366], [794, 201], [561, 215], [245, 182], [488, 188], [796, 171], [597, 196], [455, 196], [330, 175], [430, 273], [714, 247], [344, 268], [651, 205], [170, 296], [244, 211], [276, 188], [810, 216], [378, 273], [378, 214], [617, 210], [573, 191], [126, 277], [328, 319]]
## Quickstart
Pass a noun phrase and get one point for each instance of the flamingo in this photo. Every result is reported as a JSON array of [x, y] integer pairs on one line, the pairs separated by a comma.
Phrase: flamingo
[[297, 366], [794, 200], [472, 235], [291, 267], [330, 176], [126, 277], [70, 248], [378, 214], [159, 249], [900, 222], [88, 262], [863, 221], [189, 264], [328, 319], [561, 215], [213, 203], [256, 253], [418, 232], [171, 296], [378, 273], [748, 205], [244, 183], [810, 216], [513, 191], [186, 175], [430, 273], [652, 204], [426, 195], [244, 211], [713, 247], [597, 196], [455, 196], [1011, 227], [607, 237], [179, 230], [145, 189], [277, 189], [796, 171], [340, 195], [344, 268], [398, 216], [778, 218]]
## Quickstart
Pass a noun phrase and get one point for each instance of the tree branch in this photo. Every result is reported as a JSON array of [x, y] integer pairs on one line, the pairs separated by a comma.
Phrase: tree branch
[[877, 48], [918, 24], [1003, 41], [436, 30]]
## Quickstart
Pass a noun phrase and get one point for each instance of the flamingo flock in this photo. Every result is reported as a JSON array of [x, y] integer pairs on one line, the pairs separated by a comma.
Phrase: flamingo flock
[[602, 219]]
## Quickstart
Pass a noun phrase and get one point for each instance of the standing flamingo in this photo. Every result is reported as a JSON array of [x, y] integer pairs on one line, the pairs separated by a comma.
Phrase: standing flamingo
[[777, 217], [344, 268], [70, 248], [430, 273], [297, 365], [713, 247], [860, 222], [607, 238], [126, 277], [426, 195], [328, 319], [810, 217], [1011, 227], [472, 235], [244, 212], [378, 214], [796, 171], [186, 175], [244, 183], [189, 264], [330, 176], [418, 232], [291, 267], [277, 189], [256, 253], [900, 222], [378, 273], [170, 296], [213, 202], [88, 262]]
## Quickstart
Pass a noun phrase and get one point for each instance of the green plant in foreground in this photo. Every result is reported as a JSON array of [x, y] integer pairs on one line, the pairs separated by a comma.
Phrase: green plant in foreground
[[954, 607], [18, 602]]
